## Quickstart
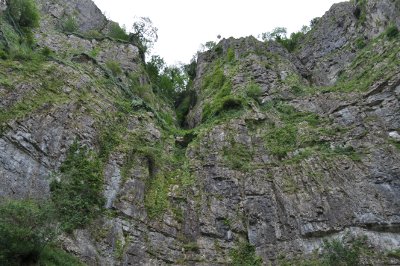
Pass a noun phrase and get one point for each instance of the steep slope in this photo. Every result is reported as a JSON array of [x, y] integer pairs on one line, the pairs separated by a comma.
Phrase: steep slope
[[285, 149]]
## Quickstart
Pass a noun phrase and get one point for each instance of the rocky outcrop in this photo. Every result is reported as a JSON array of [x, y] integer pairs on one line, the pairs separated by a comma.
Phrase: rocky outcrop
[[84, 12], [285, 149], [331, 45]]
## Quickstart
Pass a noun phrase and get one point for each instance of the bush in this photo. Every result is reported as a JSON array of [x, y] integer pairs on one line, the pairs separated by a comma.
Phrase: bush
[[245, 255], [78, 196], [335, 252], [156, 197], [360, 43], [53, 256], [392, 32], [281, 140], [118, 33], [221, 105], [46, 51], [24, 12], [94, 34], [26, 227], [115, 68], [238, 156], [230, 55], [254, 91], [70, 24]]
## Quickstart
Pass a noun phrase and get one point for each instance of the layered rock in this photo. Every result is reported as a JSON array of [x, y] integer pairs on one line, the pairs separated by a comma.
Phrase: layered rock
[[312, 155]]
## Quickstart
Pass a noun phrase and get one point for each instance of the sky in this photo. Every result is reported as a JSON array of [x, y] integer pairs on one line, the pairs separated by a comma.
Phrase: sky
[[183, 25]]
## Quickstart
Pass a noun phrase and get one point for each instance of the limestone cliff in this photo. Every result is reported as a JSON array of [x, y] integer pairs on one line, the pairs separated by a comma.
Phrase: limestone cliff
[[283, 149]]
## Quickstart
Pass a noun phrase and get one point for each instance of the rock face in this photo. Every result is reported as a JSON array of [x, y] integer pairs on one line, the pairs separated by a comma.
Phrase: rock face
[[86, 14], [285, 149]]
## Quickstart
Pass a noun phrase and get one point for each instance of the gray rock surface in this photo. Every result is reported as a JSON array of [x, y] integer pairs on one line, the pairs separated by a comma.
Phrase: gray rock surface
[[341, 180]]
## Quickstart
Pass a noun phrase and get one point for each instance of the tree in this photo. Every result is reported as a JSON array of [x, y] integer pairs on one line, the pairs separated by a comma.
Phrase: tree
[[155, 66], [207, 46], [26, 227], [314, 22], [144, 34], [277, 34], [78, 194]]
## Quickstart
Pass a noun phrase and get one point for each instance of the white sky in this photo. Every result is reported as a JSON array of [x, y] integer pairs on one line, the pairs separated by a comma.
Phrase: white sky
[[183, 25]]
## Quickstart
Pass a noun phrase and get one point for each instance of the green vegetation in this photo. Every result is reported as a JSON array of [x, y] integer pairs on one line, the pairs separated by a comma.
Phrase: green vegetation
[[281, 140], [144, 35], [221, 106], [78, 194], [172, 84], [245, 255], [220, 87], [118, 33], [230, 55], [26, 227], [392, 31], [337, 253], [93, 34], [215, 81], [360, 43], [363, 71], [70, 24], [360, 11], [156, 199], [191, 246], [119, 249], [114, 67], [16, 25], [54, 256], [300, 133], [49, 92], [254, 91], [279, 35], [284, 138], [24, 13], [334, 252], [210, 45], [394, 253], [238, 156]]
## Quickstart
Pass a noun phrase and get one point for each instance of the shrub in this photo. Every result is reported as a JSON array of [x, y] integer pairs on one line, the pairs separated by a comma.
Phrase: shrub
[[245, 255], [360, 11], [335, 252], [94, 34], [53, 256], [281, 140], [214, 81], [70, 24], [78, 194], [230, 55], [221, 105], [156, 197], [118, 33], [279, 34], [26, 227], [24, 12], [184, 103], [392, 32], [254, 91], [238, 156], [46, 51], [360, 43], [114, 67]]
